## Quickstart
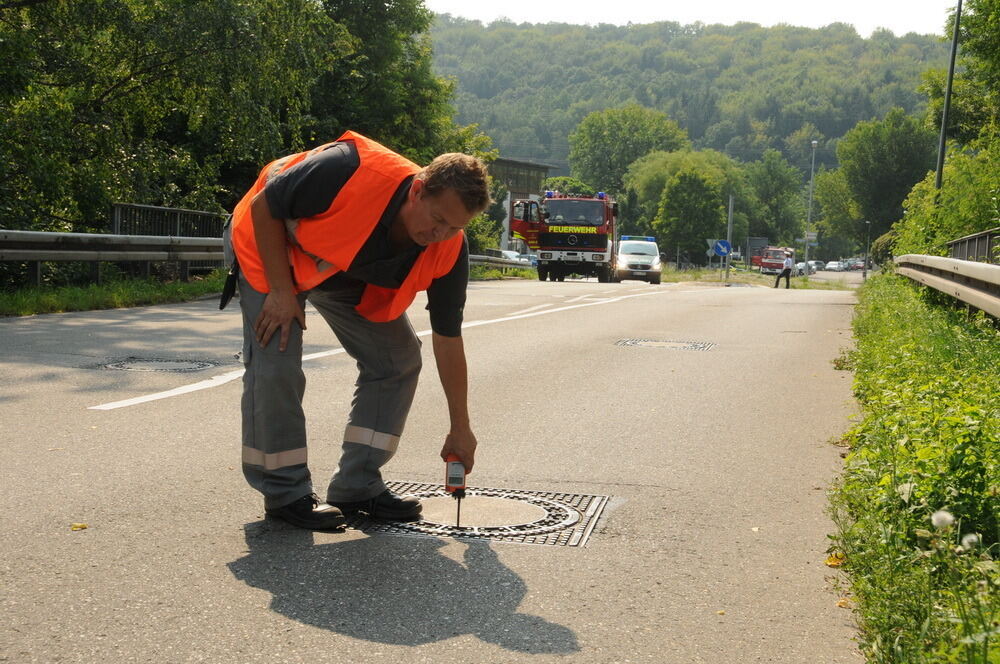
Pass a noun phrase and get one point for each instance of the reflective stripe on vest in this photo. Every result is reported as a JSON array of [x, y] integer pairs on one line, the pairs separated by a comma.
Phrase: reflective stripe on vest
[[324, 244]]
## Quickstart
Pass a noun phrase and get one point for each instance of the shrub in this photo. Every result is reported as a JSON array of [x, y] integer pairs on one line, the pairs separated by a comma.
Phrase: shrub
[[928, 443]]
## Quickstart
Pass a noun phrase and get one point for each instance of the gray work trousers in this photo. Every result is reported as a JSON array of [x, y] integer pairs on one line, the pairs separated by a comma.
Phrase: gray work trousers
[[274, 428]]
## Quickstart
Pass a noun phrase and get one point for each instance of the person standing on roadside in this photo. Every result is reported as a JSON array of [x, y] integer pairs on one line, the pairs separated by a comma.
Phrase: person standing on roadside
[[356, 230], [786, 270]]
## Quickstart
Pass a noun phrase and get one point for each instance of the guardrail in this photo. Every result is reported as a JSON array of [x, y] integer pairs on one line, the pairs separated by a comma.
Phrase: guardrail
[[135, 219], [977, 284], [44, 246], [983, 247], [38, 246]]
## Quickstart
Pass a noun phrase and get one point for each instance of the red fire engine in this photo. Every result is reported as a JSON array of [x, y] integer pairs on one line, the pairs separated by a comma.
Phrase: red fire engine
[[570, 234], [772, 259]]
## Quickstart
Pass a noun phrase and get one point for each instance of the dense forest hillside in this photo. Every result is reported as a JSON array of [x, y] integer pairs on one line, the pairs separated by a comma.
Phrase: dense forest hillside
[[739, 89]]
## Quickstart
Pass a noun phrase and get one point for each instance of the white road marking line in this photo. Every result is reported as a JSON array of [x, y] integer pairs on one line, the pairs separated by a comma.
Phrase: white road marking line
[[228, 377], [537, 306]]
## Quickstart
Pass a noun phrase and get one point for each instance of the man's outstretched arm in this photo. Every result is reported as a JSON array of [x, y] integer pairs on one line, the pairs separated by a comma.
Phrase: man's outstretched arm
[[449, 354]]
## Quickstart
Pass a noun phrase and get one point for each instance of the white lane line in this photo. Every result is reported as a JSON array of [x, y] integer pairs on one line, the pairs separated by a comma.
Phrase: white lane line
[[222, 379], [534, 308], [215, 381]]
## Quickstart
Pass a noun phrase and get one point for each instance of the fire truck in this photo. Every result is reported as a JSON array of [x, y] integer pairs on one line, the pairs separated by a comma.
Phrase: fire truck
[[571, 234], [772, 259]]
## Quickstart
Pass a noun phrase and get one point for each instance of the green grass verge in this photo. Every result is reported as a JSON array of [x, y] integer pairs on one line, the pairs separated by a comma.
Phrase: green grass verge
[[918, 504], [488, 273], [110, 295]]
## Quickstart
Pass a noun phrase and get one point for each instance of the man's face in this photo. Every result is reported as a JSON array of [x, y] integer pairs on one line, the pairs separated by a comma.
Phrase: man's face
[[436, 218]]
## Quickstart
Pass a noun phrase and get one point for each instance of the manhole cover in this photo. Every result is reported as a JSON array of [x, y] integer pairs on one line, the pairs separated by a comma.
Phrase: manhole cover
[[483, 511], [137, 364], [673, 345], [508, 515]]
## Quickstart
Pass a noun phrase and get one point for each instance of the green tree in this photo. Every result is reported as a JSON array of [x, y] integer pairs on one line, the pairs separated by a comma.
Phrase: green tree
[[881, 160], [980, 30], [837, 218], [740, 89], [568, 185], [126, 100], [777, 186], [649, 175], [969, 202], [179, 103], [606, 142], [798, 146], [690, 212], [975, 96], [385, 87], [484, 231]]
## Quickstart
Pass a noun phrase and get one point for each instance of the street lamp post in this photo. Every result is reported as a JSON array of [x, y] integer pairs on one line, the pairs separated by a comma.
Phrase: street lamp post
[[868, 236], [809, 213]]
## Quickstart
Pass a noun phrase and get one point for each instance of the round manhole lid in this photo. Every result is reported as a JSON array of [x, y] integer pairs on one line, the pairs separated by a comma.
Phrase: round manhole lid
[[136, 364], [482, 511], [493, 513]]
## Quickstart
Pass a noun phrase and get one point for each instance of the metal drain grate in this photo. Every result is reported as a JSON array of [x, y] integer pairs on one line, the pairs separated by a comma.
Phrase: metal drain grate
[[567, 519], [145, 364], [672, 345]]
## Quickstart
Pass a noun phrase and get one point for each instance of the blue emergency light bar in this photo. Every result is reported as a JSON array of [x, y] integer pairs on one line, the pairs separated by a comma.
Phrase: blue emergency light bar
[[645, 238], [601, 195], [549, 194]]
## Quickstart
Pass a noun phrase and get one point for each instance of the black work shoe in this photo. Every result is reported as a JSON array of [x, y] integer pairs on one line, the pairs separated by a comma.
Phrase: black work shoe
[[306, 513], [387, 505]]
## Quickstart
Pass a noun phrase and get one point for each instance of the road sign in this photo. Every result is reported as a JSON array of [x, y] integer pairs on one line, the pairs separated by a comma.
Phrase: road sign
[[722, 248], [711, 242], [811, 235]]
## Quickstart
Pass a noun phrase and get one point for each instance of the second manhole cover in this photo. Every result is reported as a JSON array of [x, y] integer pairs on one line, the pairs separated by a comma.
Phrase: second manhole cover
[[672, 345], [138, 364]]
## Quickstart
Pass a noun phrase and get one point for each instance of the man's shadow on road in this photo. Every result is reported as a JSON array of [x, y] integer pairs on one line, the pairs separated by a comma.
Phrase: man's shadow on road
[[395, 590]]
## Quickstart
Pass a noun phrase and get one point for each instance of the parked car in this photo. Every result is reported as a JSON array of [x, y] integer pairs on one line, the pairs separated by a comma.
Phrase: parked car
[[801, 269], [855, 264], [834, 266], [530, 258], [817, 265], [512, 255]]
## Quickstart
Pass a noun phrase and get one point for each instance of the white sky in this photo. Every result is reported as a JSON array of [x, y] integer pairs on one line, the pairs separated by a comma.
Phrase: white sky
[[900, 16]]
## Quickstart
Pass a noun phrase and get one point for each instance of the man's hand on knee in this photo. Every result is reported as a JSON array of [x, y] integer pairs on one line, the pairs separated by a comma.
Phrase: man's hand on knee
[[278, 312]]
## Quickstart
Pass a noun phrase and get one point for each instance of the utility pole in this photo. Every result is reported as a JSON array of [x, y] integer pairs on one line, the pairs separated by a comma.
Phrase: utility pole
[[868, 244], [729, 238], [809, 213], [947, 98]]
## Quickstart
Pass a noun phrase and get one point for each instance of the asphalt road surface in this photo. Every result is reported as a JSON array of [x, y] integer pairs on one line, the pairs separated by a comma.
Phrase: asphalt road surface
[[716, 462]]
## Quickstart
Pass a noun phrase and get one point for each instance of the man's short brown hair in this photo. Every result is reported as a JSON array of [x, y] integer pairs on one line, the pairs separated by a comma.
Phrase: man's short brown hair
[[463, 173]]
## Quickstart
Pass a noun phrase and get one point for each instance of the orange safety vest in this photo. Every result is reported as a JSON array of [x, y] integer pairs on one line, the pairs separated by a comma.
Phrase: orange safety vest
[[321, 245]]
